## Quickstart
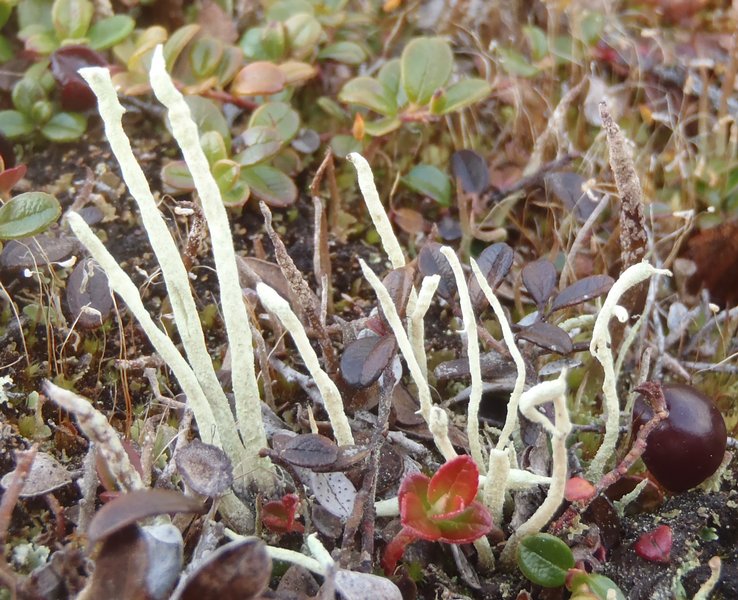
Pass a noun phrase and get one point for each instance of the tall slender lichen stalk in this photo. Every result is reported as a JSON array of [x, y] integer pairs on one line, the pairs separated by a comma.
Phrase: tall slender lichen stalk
[[600, 348], [196, 375]]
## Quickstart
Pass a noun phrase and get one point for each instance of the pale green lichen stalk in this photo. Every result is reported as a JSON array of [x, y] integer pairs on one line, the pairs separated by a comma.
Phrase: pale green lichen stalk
[[196, 375], [600, 348]]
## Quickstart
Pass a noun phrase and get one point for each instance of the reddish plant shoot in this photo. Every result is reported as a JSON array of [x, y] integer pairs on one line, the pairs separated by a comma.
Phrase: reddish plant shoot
[[655, 546], [579, 489], [280, 516], [442, 508]]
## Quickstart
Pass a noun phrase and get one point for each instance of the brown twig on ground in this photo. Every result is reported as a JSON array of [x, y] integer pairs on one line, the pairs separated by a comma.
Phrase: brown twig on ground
[[308, 301], [363, 512], [10, 498], [654, 395], [328, 167]]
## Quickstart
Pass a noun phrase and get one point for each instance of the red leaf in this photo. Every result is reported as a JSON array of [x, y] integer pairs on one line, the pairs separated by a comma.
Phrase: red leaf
[[655, 546], [457, 481], [9, 177], [279, 515], [416, 519], [470, 525]]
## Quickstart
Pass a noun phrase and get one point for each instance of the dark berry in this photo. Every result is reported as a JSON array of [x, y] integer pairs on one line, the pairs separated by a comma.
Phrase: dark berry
[[687, 447]]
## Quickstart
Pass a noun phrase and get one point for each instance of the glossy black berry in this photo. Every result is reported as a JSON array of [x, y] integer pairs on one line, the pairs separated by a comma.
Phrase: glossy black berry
[[687, 447]]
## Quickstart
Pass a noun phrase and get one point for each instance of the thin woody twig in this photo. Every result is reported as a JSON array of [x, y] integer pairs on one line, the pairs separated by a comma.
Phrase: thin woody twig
[[308, 301]]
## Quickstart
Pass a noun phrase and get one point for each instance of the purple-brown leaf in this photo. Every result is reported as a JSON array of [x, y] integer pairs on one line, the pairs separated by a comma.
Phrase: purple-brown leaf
[[88, 295], [364, 359], [539, 278], [582, 290], [239, 570], [494, 263], [399, 282], [470, 169], [547, 336], [432, 262], [310, 450], [567, 187], [128, 508]]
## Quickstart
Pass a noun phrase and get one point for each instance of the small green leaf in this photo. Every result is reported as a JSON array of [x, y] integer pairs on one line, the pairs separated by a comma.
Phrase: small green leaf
[[177, 43], [6, 49], [426, 66], [204, 56], [284, 9], [261, 143], [176, 176], [463, 94], [537, 41], [595, 584], [264, 43], [71, 18], [303, 33], [31, 12], [279, 116], [110, 31], [208, 117], [6, 8], [42, 42], [515, 63], [65, 127], [238, 195], [213, 146], [28, 214], [349, 53], [382, 127], [591, 26], [390, 75], [226, 173], [343, 145], [430, 181], [270, 185], [544, 559], [370, 93], [26, 93], [14, 124]]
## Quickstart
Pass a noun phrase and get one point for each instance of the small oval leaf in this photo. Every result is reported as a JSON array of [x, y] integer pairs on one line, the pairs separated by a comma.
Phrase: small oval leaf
[[429, 181], [28, 214], [544, 559], [463, 94], [494, 262], [582, 290], [279, 116], [349, 53], [128, 508], [548, 336], [364, 359], [426, 65], [432, 262], [259, 78], [471, 170], [240, 569], [370, 93], [270, 185], [88, 295], [310, 450], [539, 278]]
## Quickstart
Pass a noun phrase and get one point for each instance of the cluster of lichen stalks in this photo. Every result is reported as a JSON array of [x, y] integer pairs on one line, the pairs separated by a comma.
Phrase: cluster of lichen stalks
[[243, 437]]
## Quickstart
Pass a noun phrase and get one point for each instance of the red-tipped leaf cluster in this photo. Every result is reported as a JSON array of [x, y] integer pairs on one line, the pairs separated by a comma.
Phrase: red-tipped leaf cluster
[[280, 515], [441, 508]]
